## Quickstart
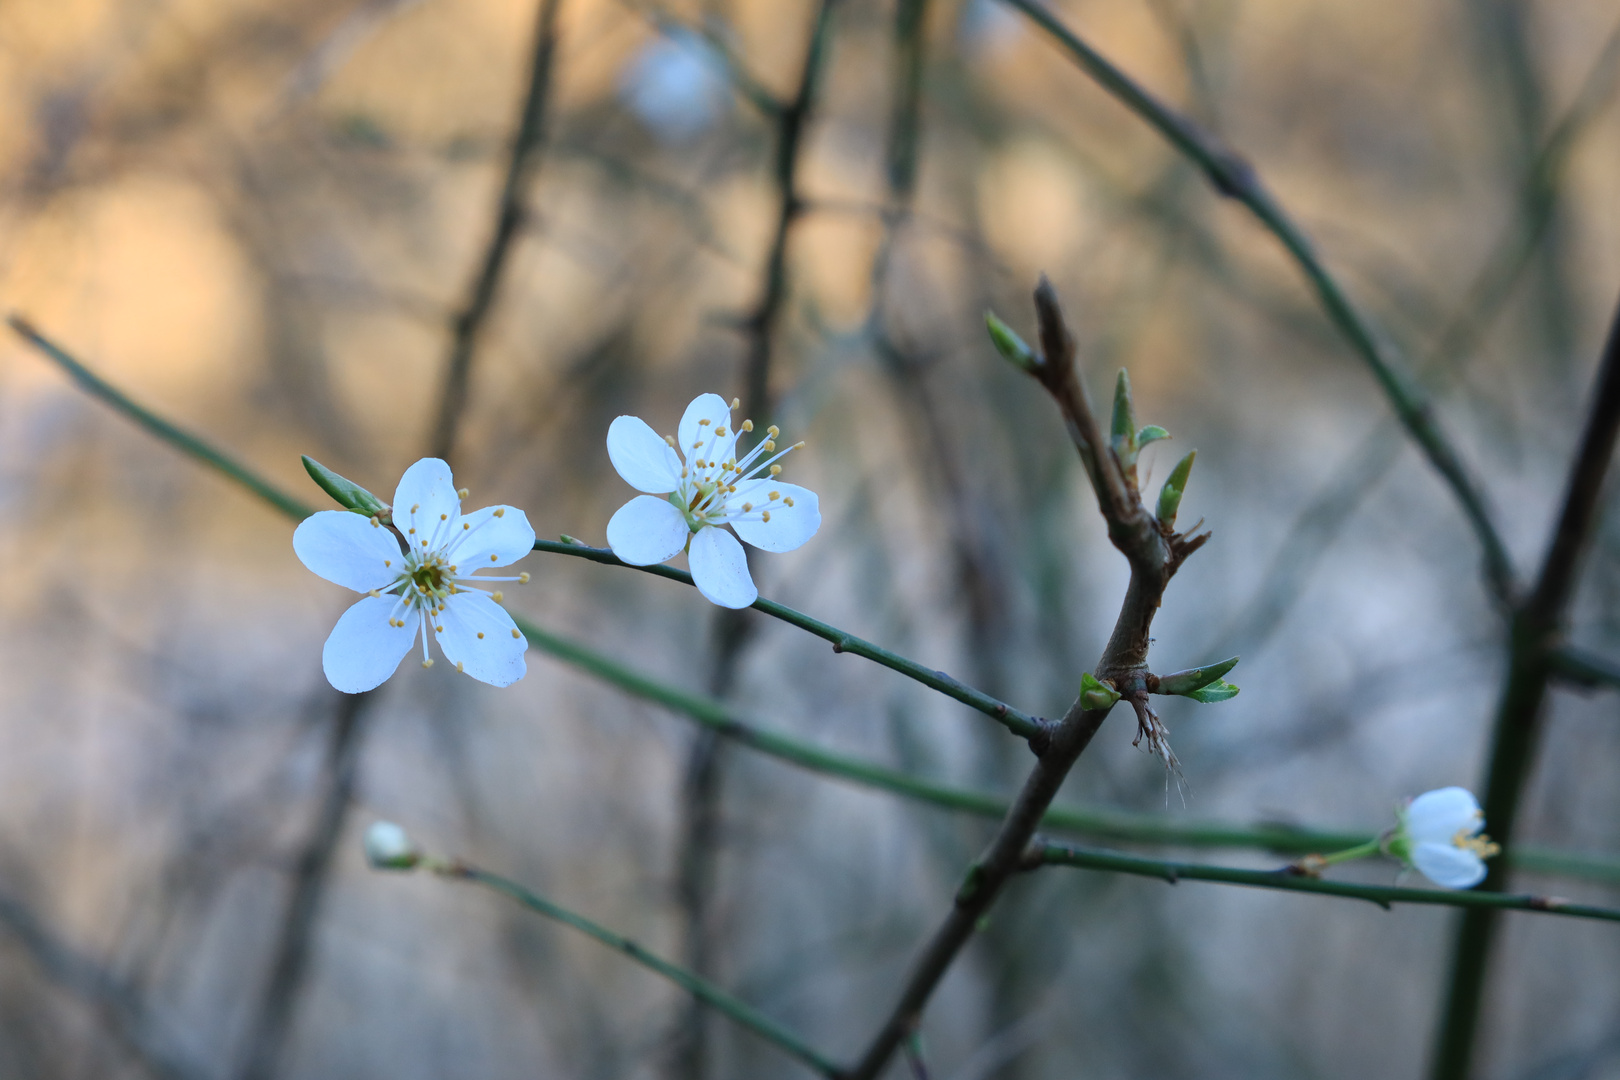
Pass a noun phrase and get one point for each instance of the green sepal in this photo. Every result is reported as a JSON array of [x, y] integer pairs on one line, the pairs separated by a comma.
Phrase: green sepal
[[1095, 694], [1185, 682], [1124, 425], [1012, 347], [348, 493], [1174, 485], [1150, 434], [1218, 690]]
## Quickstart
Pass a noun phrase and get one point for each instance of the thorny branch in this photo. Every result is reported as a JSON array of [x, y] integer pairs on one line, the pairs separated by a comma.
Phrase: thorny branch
[[1154, 554]]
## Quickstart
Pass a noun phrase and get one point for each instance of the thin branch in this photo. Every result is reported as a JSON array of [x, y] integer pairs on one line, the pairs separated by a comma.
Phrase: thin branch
[[1577, 667], [291, 961], [172, 434], [737, 1010], [510, 217], [1048, 854], [1235, 178], [116, 1003], [1536, 629], [1020, 723]]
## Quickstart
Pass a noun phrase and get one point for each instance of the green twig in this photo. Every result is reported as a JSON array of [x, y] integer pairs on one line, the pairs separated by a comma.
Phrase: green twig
[[1019, 723], [705, 991], [1290, 881], [172, 434], [1235, 178]]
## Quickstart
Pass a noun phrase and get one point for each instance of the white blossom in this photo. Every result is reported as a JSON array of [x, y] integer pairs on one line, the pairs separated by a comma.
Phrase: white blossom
[[417, 575], [696, 483], [676, 86], [388, 847], [1439, 833]]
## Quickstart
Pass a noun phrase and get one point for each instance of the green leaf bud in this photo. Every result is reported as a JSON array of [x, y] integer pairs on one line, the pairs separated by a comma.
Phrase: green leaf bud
[[1124, 425], [1150, 434], [1174, 485], [1185, 682], [1215, 691], [1095, 694], [1010, 345], [349, 494]]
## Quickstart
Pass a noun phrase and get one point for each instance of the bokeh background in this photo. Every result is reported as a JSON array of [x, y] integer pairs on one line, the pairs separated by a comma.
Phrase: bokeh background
[[261, 219]]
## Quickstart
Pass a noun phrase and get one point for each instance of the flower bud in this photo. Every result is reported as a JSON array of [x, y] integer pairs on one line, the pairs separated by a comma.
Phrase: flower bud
[[1010, 345], [1095, 694], [349, 494], [388, 847], [1174, 485]]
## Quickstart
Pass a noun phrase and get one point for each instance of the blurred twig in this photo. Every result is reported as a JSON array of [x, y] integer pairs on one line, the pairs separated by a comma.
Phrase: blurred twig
[[290, 960], [510, 217], [121, 1009], [1581, 668], [1235, 178], [1535, 633], [698, 987], [170, 433], [1044, 853]]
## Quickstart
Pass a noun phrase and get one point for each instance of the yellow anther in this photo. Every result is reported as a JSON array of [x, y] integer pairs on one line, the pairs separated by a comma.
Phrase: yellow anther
[[480, 635], [416, 507], [788, 501], [444, 517], [388, 562], [764, 515], [494, 558], [748, 425], [465, 526], [798, 445], [452, 569], [499, 596], [373, 594], [720, 431], [438, 629], [703, 423], [736, 402], [427, 663], [459, 667], [375, 524], [730, 488], [516, 634], [773, 431], [413, 530], [769, 446], [671, 440], [747, 507], [523, 578], [775, 495], [500, 511], [776, 470], [462, 494], [698, 445]]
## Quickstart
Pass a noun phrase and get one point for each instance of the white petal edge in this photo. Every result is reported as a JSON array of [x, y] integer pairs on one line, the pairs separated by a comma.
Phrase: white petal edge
[[789, 526], [720, 568], [429, 487], [363, 650], [714, 409], [1448, 866], [1438, 815], [644, 460], [508, 538], [647, 530], [347, 549], [496, 657]]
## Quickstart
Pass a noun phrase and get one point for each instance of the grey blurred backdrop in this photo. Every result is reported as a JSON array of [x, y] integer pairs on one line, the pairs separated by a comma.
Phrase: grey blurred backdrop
[[261, 218]]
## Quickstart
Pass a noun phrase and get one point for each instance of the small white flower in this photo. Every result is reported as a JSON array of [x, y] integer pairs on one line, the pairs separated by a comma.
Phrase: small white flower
[[692, 493], [675, 86], [388, 847], [424, 585], [1439, 833]]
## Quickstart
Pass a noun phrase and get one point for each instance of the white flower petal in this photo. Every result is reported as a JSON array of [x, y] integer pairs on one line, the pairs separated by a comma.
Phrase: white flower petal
[[429, 488], [1448, 866], [695, 437], [479, 635], [347, 549], [789, 526], [647, 530], [645, 461], [1439, 815], [720, 568], [481, 534], [363, 650]]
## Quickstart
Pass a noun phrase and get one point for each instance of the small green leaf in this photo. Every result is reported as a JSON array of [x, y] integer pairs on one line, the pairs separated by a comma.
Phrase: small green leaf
[[1218, 690], [1150, 434], [1010, 345], [348, 493], [1185, 682], [1124, 423], [1095, 694], [1174, 485]]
